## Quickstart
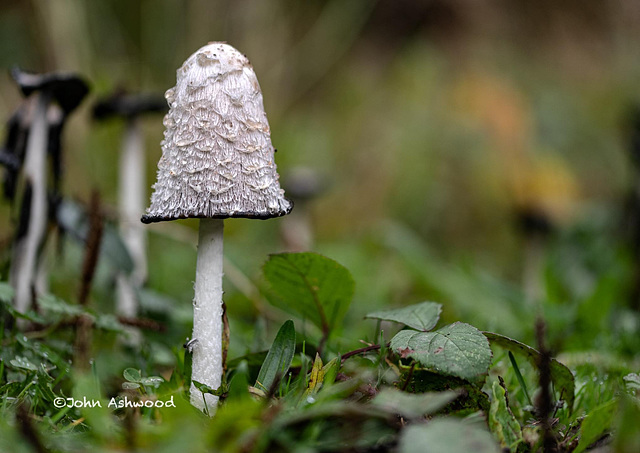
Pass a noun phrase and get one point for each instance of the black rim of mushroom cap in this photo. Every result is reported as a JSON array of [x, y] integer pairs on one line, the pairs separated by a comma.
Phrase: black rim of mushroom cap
[[121, 104], [68, 90], [236, 215]]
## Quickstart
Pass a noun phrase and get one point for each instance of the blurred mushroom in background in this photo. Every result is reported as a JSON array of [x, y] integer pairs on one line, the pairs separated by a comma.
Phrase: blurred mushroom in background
[[132, 187], [34, 134], [303, 185]]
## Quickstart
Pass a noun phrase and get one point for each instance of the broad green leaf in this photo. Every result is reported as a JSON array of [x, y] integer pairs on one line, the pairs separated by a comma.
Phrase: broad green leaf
[[457, 350], [130, 385], [132, 375], [423, 316], [279, 357], [595, 424], [561, 376], [310, 286], [502, 421], [411, 405], [446, 435]]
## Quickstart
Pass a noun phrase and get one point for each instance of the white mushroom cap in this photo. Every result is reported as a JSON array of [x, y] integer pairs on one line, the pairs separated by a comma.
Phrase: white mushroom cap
[[217, 157]]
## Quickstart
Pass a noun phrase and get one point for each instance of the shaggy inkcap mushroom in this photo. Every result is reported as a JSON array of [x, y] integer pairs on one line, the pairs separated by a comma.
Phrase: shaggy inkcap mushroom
[[217, 156], [217, 162]]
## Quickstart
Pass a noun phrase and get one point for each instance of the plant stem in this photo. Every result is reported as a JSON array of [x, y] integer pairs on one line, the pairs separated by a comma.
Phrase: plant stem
[[207, 314], [25, 252]]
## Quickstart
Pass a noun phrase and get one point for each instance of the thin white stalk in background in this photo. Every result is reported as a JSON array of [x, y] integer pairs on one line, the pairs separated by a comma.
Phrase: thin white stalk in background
[[207, 316], [132, 198], [25, 252]]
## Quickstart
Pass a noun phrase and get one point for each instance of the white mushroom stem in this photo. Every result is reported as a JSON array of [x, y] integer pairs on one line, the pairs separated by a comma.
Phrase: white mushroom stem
[[207, 315], [132, 198], [25, 251]]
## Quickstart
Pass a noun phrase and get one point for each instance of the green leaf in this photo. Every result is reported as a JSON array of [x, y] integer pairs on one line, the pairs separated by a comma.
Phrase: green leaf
[[502, 421], [53, 304], [239, 384], [6, 293], [330, 371], [130, 385], [204, 388], [6, 298], [561, 376], [279, 357], [446, 435], [413, 405], [627, 438], [152, 381], [316, 378], [456, 350], [23, 363], [310, 286], [595, 424], [132, 375], [423, 316], [108, 322]]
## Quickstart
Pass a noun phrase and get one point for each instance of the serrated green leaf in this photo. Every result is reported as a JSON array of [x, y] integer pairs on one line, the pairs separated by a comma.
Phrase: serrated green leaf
[[561, 376], [423, 316], [502, 422], [446, 435], [411, 405], [279, 357], [456, 350], [132, 375], [311, 286]]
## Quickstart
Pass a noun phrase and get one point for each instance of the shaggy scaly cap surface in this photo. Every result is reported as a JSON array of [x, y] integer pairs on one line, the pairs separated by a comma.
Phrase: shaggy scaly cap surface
[[217, 157]]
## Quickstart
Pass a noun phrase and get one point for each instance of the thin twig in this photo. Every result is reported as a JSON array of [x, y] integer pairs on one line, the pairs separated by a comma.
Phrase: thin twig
[[544, 403], [82, 344], [28, 431], [409, 376], [364, 350]]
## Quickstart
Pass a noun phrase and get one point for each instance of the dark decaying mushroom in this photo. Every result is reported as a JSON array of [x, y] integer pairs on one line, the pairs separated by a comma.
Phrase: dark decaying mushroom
[[34, 132], [217, 162]]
